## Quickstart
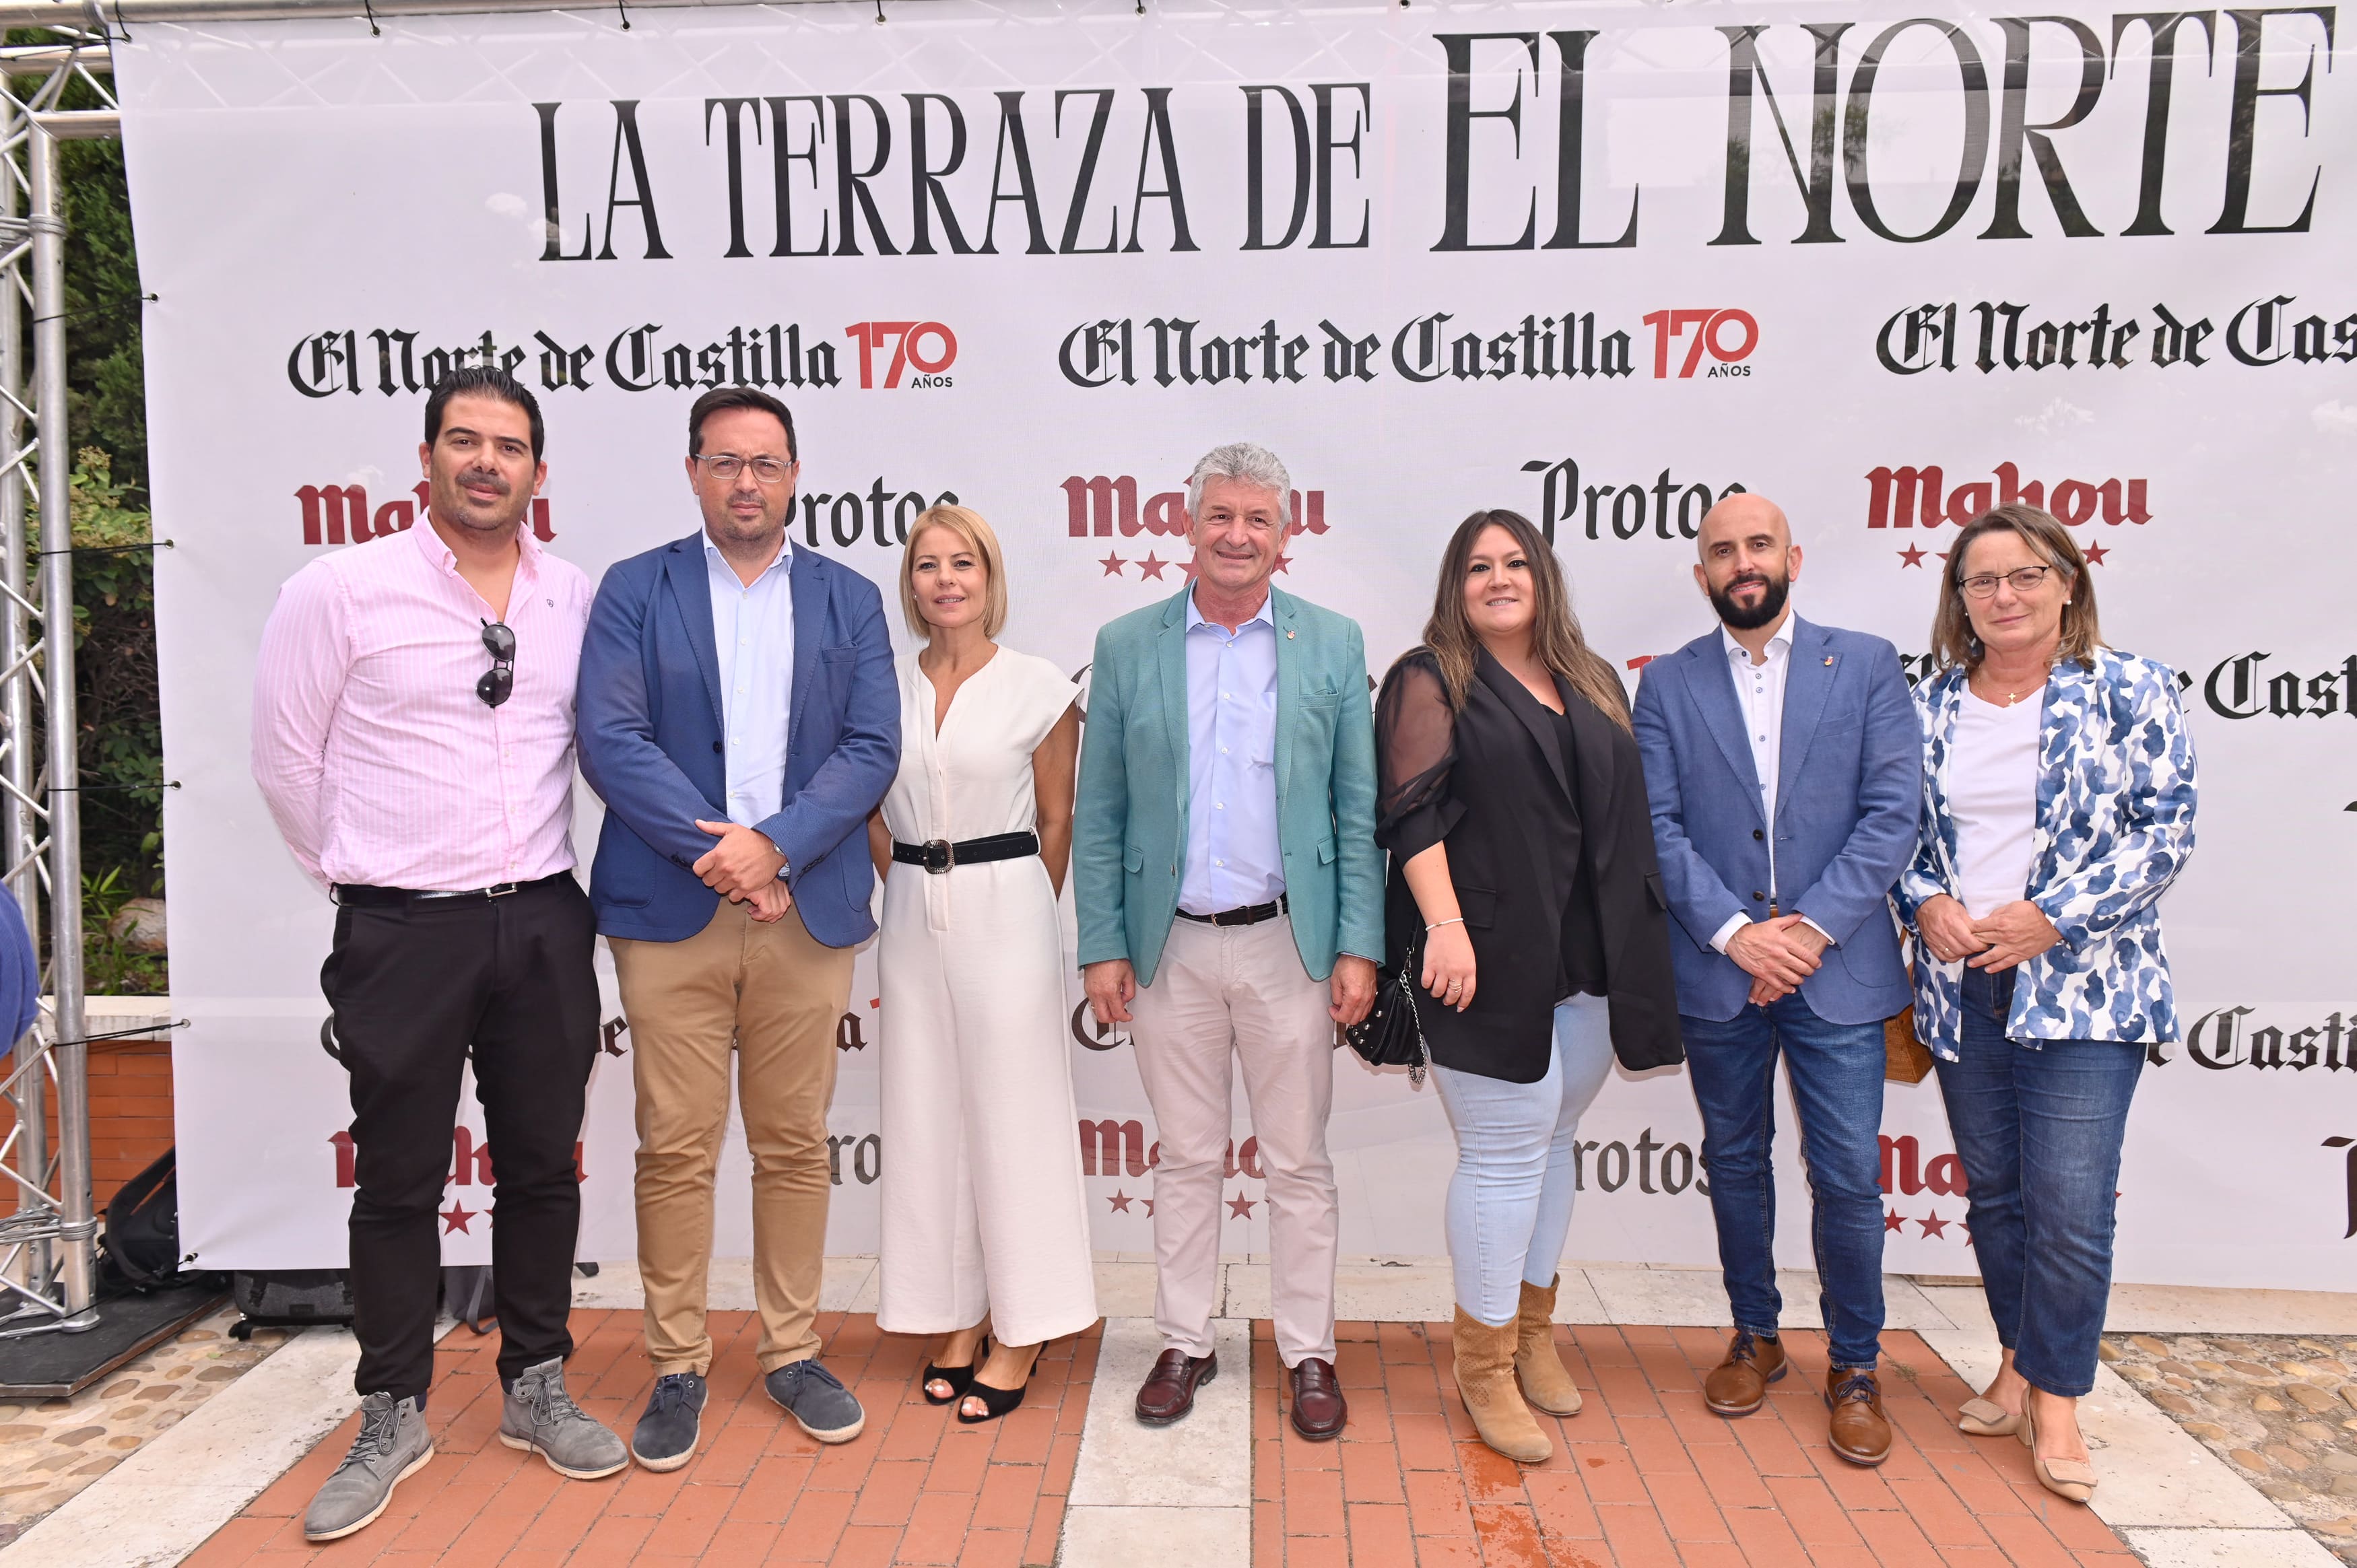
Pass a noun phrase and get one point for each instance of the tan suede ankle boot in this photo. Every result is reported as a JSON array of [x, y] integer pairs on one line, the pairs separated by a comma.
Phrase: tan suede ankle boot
[[1547, 1381], [1485, 1382]]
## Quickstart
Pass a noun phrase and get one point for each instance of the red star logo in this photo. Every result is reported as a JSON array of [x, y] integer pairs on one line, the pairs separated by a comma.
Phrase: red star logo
[[1241, 1207], [1892, 1221], [1149, 1206], [1910, 556], [1153, 567], [1121, 1202], [2094, 553], [1932, 1225], [1112, 566], [1283, 561], [455, 1216], [1188, 568]]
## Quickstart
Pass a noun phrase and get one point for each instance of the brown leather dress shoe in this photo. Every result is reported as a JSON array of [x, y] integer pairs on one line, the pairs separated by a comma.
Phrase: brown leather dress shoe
[[1860, 1432], [1739, 1385], [1169, 1390], [1319, 1409]]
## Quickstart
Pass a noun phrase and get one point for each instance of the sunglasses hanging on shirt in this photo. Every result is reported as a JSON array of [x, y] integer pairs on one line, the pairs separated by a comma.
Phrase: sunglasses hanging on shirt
[[498, 683]]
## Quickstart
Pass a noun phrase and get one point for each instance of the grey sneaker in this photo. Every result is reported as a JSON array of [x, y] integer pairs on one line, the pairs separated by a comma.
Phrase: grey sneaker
[[666, 1435], [392, 1446], [817, 1400], [541, 1418]]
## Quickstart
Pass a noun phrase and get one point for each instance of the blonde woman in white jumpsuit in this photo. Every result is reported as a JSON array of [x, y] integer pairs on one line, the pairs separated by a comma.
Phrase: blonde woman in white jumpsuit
[[983, 1210]]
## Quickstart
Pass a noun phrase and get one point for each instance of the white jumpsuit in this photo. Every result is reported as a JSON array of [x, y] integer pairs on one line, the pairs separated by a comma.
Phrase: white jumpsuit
[[982, 1203]]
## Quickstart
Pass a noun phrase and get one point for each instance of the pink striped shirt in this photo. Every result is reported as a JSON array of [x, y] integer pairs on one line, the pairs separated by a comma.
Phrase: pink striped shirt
[[380, 763]]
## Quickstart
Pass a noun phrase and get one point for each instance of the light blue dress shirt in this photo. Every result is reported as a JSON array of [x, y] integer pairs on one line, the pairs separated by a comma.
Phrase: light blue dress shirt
[[1234, 855], [753, 637]]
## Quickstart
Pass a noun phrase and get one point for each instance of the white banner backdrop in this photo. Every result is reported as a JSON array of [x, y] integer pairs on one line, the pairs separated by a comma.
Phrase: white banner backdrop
[[1597, 262]]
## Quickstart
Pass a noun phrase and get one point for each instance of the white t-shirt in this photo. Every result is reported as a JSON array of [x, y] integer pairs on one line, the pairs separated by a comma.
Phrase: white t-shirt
[[1993, 796]]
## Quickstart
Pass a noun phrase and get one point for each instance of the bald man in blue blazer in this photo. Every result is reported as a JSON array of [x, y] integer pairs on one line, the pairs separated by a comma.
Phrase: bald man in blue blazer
[[1229, 897], [1785, 767]]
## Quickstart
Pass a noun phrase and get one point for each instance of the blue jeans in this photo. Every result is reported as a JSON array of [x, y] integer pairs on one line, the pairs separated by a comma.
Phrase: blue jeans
[[2039, 1132], [1510, 1202], [1836, 1074]]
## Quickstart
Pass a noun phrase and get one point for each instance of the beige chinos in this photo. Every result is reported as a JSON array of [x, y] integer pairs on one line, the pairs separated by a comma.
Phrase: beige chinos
[[1238, 993], [773, 997]]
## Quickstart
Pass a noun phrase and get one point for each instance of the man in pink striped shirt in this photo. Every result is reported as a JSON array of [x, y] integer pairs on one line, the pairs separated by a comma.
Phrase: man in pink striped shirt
[[413, 733]]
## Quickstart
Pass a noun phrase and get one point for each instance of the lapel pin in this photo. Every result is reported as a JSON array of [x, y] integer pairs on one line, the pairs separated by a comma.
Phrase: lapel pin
[[1829, 661], [1288, 637]]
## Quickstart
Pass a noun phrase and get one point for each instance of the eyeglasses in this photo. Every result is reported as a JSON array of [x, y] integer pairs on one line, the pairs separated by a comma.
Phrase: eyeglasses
[[498, 683], [2025, 580], [727, 466]]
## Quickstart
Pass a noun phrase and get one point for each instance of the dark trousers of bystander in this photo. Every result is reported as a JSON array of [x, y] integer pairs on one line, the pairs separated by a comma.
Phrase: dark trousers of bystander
[[416, 985]]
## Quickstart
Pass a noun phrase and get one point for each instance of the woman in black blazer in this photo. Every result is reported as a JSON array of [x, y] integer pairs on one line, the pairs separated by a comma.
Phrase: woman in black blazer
[[1524, 891]]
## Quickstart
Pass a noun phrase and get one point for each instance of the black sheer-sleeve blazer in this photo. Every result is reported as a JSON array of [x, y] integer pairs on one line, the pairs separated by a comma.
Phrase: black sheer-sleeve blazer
[[1492, 782]]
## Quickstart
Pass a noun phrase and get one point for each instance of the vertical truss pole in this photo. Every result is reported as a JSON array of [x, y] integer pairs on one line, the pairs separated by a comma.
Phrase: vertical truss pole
[[78, 1230], [19, 833]]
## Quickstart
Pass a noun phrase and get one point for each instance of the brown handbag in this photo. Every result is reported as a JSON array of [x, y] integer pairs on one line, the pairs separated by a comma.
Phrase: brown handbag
[[1905, 1059]]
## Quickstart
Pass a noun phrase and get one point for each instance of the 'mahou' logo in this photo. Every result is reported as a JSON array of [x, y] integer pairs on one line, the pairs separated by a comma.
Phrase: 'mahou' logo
[[1098, 506], [1905, 497], [337, 514]]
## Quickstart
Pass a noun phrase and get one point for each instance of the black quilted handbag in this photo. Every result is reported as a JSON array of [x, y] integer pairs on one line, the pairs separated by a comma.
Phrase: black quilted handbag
[[1391, 1034]]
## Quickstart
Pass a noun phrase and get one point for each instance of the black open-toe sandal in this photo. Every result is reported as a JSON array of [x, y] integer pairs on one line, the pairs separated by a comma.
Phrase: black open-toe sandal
[[958, 1377], [996, 1401]]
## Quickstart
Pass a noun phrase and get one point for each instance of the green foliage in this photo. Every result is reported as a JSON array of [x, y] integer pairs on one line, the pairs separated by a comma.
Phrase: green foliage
[[108, 969], [105, 374], [122, 745]]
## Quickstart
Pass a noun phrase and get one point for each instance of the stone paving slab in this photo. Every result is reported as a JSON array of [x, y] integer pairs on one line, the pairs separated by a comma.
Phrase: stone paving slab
[[2280, 1408], [51, 1449]]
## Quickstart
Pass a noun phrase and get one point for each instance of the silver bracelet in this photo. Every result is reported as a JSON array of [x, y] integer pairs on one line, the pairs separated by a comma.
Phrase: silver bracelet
[[1452, 920]]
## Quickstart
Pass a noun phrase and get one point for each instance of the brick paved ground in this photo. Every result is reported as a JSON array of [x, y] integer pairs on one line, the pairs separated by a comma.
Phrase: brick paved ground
[[915, 1488], [1645, 1475]]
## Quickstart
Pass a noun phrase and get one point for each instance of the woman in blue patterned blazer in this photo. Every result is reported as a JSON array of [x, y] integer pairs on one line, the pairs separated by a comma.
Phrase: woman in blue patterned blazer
[[2058, 807]]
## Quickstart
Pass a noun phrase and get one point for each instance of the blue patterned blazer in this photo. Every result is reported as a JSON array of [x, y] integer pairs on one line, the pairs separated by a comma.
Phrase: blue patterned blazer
[[2115, 800]]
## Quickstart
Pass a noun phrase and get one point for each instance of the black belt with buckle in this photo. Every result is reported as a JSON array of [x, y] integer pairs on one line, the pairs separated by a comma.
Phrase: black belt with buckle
[[1245, 915], [368, 897], [938, 855]]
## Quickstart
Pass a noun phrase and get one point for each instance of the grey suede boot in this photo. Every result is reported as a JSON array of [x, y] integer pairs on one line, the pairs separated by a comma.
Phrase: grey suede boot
[[541, 1418], [393, 1445]]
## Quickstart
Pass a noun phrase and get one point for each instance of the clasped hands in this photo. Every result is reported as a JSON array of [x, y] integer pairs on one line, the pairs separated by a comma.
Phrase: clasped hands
[[744, 865], [2015, 933], [1778, 954]]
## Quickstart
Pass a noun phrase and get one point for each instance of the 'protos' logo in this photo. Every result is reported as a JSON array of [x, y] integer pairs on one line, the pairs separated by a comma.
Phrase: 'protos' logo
[[926, 347]]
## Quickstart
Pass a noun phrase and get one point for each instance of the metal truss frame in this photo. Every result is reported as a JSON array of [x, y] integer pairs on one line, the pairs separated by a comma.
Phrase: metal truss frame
[[48, 1246]]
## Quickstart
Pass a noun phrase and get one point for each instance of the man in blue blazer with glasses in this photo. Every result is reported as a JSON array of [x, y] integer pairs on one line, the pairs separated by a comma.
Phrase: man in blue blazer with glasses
[[1785, 767], [739, 715]]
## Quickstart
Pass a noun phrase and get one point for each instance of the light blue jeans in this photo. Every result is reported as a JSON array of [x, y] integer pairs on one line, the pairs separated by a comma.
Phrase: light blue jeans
[[1510, 1202]]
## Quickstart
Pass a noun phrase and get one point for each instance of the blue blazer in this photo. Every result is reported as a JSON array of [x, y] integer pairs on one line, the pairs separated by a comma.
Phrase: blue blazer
[[647, 724], [1848, 792]]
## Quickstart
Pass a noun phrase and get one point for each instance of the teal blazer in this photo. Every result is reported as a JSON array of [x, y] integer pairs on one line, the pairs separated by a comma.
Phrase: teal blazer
[[1129, 823]]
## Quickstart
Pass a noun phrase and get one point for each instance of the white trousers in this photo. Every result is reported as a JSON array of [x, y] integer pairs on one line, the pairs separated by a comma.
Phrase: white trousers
[[982, 1207], [1239, 991]]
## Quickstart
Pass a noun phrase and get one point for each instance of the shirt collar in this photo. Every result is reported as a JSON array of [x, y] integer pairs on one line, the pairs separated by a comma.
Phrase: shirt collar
[[785, 557], [440, 556], [1778, 646], [1258, 617]]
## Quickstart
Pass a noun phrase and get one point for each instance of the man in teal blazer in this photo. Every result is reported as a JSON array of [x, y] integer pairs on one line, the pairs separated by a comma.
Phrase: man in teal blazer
[[1231, 905]]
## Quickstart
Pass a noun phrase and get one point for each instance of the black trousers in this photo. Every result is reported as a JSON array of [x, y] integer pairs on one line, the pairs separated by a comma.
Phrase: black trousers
[[413, 986]]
